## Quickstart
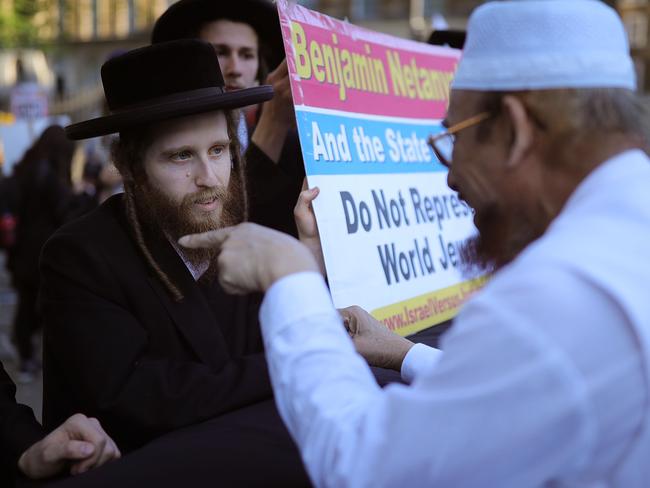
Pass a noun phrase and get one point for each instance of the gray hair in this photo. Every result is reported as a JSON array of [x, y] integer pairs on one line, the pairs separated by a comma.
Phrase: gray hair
[[575, 115]]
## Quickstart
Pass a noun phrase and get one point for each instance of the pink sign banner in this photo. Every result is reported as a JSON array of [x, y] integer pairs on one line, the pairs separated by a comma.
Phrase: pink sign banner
[[339, 66]]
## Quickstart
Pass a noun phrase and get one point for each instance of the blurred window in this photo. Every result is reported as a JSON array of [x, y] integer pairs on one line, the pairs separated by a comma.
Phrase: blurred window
[[144, 14], [112, 18], [34, 64], [636, 24], [85, 19], [641, 66], [632, 3]]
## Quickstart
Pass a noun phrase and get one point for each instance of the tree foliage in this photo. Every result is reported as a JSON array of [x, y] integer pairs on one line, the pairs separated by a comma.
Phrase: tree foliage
[[17, 27]]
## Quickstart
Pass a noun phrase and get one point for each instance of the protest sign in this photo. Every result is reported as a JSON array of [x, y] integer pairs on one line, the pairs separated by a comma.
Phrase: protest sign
[[396, 240], [28, 100]]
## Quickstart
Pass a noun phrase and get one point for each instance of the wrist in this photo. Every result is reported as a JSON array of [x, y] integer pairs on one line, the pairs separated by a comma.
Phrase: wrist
[[287, 263], [316, 251], [402, 347], [269, 135]]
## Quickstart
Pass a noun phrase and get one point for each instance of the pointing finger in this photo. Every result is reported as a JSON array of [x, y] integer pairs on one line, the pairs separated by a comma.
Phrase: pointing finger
[[213, 239]]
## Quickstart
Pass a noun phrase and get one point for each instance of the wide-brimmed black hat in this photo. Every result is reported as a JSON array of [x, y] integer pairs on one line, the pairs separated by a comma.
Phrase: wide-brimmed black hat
[[184, 18], [452, 38], [161, 82]]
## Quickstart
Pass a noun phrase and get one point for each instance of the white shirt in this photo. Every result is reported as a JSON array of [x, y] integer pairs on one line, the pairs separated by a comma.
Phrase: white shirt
[[543, 380], [196, 270], [420, 359]]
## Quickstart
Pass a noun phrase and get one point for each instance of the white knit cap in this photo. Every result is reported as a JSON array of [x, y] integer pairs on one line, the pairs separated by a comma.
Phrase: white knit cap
[[544, 44]]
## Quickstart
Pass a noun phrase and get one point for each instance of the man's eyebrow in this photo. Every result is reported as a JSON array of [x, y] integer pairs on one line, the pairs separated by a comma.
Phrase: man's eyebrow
[[173, 150], [236, 48], [222, 142], [188, 147]]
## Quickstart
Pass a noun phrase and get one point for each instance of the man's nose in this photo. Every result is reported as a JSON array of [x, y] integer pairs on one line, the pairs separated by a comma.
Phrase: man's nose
[[232, 66], [206, 175]]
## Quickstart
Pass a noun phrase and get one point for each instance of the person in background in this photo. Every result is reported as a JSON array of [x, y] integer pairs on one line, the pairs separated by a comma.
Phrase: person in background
[[545, 378], [44, 193], [247, 38]]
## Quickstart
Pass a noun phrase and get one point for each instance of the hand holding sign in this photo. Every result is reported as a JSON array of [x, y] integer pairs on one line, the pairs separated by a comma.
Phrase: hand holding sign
[[252, 257], [372, 339], [277, 115], [306, 224]]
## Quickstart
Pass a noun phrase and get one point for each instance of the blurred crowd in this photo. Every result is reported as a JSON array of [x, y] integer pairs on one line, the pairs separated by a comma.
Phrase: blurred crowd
[[35, 200]]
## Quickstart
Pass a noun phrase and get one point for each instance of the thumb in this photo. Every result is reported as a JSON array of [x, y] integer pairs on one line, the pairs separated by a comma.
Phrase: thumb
[[350, 324], [306, 197], [213, 238]]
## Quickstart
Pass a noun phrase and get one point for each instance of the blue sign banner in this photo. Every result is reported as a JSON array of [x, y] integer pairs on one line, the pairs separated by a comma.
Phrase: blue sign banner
[[339, 145]]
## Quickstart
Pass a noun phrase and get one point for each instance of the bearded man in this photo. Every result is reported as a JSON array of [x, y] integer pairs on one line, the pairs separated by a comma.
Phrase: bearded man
[[137, 333], [545, 378]]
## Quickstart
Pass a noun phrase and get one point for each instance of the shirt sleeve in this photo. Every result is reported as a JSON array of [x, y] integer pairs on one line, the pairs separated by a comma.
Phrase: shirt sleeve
[[472, 410], [420, 359]]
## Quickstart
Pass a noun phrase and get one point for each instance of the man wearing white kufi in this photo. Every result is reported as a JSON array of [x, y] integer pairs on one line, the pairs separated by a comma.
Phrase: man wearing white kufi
[[545, 375]]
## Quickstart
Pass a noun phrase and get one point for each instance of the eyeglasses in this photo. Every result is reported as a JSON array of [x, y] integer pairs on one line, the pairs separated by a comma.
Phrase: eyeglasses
[[443, 143]]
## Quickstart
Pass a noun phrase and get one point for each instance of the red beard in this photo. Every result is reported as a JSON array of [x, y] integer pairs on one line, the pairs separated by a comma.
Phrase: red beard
[[503, 234], [158, 211]]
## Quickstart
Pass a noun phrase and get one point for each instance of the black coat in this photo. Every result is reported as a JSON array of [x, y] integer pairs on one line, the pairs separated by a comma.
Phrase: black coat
[[18, 429], [274, 188], [118, 347]]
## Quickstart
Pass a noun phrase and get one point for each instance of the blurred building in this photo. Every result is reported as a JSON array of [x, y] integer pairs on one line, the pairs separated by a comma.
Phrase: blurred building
[[635, 15], [406, 18], [77, 37], [74, 37], [85, 34]]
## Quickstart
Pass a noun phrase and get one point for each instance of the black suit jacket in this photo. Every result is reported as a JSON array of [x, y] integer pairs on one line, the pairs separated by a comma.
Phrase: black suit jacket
[[118, 347], [18, 429]]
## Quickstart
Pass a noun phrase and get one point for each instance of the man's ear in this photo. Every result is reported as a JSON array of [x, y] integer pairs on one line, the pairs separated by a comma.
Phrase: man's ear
[[522, 130]]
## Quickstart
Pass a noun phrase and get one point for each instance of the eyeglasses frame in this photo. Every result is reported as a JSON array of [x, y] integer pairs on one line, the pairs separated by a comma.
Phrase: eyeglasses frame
[[464, 124]]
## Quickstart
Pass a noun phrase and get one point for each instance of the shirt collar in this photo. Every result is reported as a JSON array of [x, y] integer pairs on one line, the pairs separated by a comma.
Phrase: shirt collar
[[612, 172], [196, 270]]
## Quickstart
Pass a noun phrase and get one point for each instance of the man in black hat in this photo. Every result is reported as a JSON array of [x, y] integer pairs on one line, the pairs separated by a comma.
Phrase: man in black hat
[[137, 333], [247, 38]]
